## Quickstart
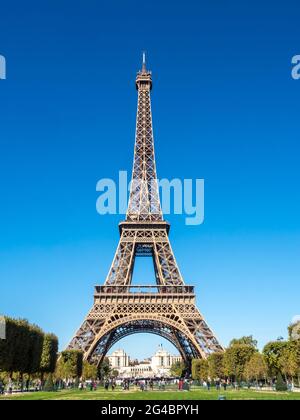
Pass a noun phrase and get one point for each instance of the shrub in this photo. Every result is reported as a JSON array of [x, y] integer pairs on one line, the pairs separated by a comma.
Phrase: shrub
[[280, 384]]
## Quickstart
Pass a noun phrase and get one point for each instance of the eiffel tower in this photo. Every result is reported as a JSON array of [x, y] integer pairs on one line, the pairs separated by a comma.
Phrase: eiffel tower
[[167, 309]]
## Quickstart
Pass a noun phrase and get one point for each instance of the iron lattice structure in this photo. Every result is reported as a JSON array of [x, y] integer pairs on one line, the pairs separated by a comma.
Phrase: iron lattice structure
[[168, 309]]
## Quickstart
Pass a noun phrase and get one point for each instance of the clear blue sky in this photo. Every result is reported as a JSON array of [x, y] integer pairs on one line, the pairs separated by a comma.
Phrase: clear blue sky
[[225, 109]]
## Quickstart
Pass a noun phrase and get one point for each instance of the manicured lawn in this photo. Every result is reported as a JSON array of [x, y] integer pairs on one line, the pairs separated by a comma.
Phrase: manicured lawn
[[198, 394]]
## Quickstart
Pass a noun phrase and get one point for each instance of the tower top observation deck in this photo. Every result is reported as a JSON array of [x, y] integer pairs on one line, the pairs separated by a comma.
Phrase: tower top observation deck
[[144, 77]]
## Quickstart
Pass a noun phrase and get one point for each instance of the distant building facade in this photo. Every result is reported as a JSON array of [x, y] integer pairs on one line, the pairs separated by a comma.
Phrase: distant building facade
[[119, 360], [158, 366], [162, 361]]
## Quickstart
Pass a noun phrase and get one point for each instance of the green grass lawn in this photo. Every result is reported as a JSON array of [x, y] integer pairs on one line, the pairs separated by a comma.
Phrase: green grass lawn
[[197, 394]]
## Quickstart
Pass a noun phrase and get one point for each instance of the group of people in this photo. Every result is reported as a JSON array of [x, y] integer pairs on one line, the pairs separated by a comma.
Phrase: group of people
[[21, 386], [218, 384], [91, 385], [125, 385], [110, 383], [183, 385]]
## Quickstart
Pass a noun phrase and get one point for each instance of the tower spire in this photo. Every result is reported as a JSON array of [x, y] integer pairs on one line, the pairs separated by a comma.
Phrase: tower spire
[[144, 203], [144, 62]]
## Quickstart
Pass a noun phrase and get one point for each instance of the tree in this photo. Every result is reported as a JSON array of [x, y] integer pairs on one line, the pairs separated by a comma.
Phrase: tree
[[70, 364], [36, 339], [21, 351], [7, 346], [177, 369], [295, 356], [236, 357], [114, 373], [49, 385], [199, 369], [256, 368], [289, 360], [280, 384], [246, 340], [49, 354], [26, 349], [215, 365], [273, 352], [104, 369], [90, 371], [21, 340]]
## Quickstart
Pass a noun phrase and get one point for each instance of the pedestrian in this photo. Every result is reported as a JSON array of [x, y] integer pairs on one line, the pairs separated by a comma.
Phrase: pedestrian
[[142, 385], [10, 386]]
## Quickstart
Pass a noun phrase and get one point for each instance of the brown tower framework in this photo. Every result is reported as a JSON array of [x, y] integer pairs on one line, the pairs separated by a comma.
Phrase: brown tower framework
[[167, 309]]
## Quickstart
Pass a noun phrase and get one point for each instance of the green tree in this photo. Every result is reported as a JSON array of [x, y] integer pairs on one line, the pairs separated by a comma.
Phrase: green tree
[[49, 385], [273, 352], [295, 359], [8, 346], [199, 369], [90, 371], [21, 351], [36, 339], [246, 340], [22, 343], [235, 359], [289, 360], [70, 364], [49, 354], [114, 373], [177, 369], [26, 349], [280, 384], [256, 368], [104, 369], [215, 365]]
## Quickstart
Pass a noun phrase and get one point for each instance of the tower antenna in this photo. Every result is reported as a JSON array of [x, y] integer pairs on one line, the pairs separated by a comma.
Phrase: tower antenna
[[144, 61]]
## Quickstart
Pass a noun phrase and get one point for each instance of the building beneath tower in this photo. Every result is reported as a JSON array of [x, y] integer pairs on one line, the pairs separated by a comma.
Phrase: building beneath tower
[[157, 366]]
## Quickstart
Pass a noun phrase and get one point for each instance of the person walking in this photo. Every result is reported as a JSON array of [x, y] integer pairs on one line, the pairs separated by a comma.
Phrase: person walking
[[106, 385], [10, 386], [113, 385], [151, 384], [224, 385], [180, 384]]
